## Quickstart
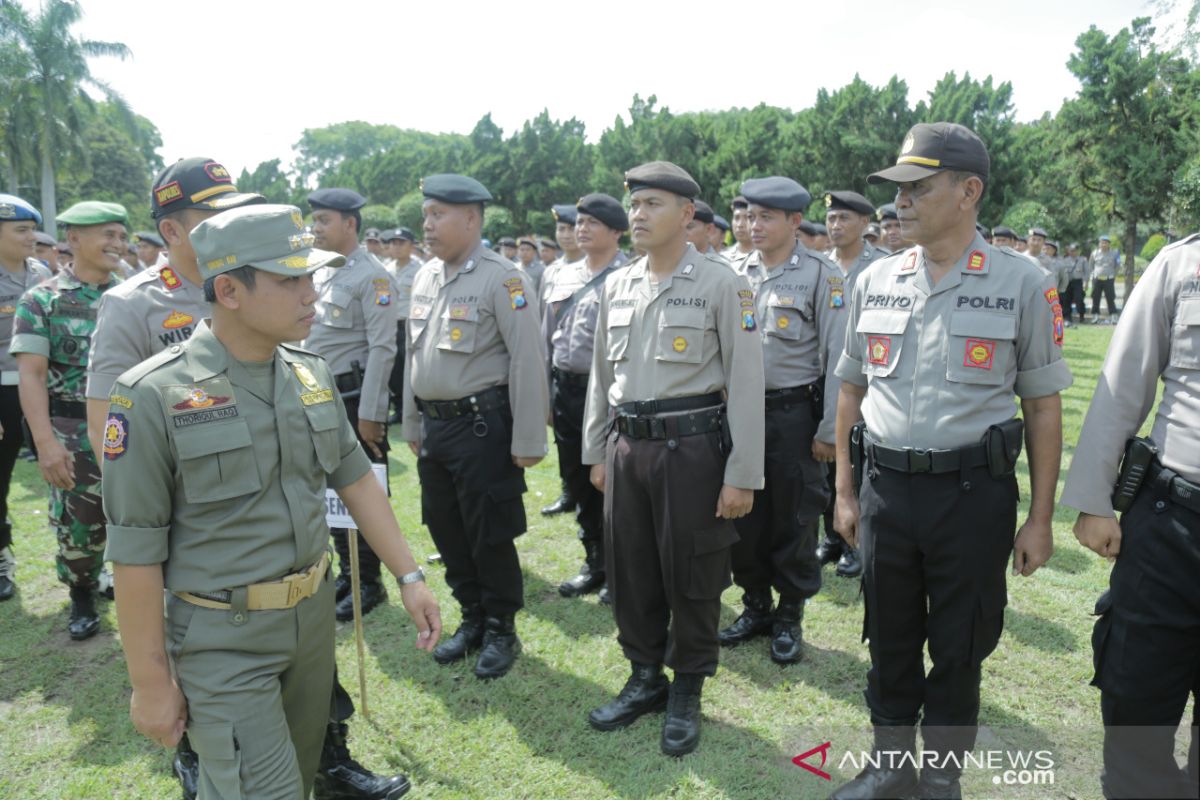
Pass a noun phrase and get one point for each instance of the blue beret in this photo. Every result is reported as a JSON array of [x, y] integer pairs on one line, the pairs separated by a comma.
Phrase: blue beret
[[456, 189], [13, 208], [605, 208], [346, 200], [662, 175], [720, 222], [778, 192], [565, 212], [704, 212]]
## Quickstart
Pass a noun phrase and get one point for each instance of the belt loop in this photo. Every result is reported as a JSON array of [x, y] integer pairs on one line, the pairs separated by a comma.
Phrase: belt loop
[[237, 605]]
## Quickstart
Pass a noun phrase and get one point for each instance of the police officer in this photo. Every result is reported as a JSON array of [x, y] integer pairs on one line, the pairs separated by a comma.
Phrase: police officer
[[149, 247], [742, 246], [1145, 640], [797, 294], [1004, 236], [569, 324], [889, 226], [716, 237], [355, 332], [676, 334], [373, 242], [530, 264], [403, 269], [252, 653], [700, 229], [508, 248], [52, 334], [21, 271], [1102, 267], [548, 251], [939, 338], [1037, 251], [43, 247], [475, 410], [1075, 266]]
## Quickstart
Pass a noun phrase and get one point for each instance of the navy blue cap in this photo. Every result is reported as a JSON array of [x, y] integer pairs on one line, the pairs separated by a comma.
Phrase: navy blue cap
[[662, 175], [529, 240], [850, 201], [197, 183], [605, 208], [346, 200], [931, 147], [1104, 237], [887, 211], [456, 189], [565, 213], [544, 242], [778, 192], [704, 212], [13, 208], [720, 222]]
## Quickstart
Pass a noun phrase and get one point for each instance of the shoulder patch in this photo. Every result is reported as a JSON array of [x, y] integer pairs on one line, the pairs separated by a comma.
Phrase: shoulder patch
[[116, 437], [169, 279]]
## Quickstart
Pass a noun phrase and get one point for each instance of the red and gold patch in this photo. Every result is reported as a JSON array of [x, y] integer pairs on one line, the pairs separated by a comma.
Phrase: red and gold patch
[[979, 353], [976, 261], [217, 172], [116, 436], [198, 398], [168, 194], [177, 319], [1057, 325], [879, 349], [169, 279], [910, 262]]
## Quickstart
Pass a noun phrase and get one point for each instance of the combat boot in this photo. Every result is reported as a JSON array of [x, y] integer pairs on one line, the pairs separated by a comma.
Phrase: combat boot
[[8, 567], [340, 777], [645, 692], [371, 594], [755, 619], [850, 564], [681, 728], [499, 649], [604, 597], [187, 768], [564, 504], [941, 781], [468, 637], [830, 549], [591, 574], [787, 642], [84, 622], [895, 776]]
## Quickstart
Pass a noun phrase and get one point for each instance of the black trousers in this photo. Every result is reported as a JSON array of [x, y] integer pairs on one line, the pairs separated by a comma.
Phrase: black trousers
[[778, 546], [1074, 299], [471, 502], [1107, 287], [667, 555], [567, 400], [369, 568], [396, 378], [935, 551], [1146, 646], [10, 447]]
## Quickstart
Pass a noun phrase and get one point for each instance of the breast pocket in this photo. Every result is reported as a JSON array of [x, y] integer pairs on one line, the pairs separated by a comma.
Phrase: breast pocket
[[1185, 335], [681, 335], [619, 322], [980, 347], [336, 309], [217, 461], [784, 322], [325, 424], [882, 334], [459, 329]]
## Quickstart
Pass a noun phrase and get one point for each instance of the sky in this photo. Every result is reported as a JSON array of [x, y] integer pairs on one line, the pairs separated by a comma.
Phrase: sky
[[240, 80]]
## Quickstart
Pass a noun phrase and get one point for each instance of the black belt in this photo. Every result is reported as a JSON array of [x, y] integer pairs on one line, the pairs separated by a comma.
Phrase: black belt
[[1181, 492], [779, 398], [644, 408], [673, 427], [487, 400], [912, 460], [576, 379], [75, 409]]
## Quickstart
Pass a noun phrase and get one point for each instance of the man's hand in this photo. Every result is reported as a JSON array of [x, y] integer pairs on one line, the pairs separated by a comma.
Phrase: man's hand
[[734, 503], [159, 713], [422, 606], [524, 462], [1033, 547], [1101, 535], [845, 517], [373, 433], [56, 463], [823, 452], [598, 476]]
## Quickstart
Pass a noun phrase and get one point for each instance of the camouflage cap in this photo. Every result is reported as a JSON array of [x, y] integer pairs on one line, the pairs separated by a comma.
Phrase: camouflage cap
[[268, 237]]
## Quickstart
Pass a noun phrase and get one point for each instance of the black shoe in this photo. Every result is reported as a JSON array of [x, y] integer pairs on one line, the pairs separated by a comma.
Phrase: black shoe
[[604, 597], [591, 574], [468, 637], [341, 588], [396, 419], [8, 566], [645, 692], [340, 777], [84, 622], [850, 564], [372, 593], [830, 549], [936, 784], [755, 619], [187, 768], [499, 649], [885, 781], [681, 728], [562, 505], [787, 635]]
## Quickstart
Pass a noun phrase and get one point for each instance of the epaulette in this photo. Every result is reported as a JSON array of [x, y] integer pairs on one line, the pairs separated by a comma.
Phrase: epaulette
[[298, 349], [131, 376]]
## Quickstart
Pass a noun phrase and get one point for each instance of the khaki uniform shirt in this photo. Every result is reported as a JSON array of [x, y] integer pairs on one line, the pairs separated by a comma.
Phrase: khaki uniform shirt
[[356, 321], [403, 279], [696, 334], [941, 363], [570, 339], [1158, 337], [149, 313], [12, 286], [212, 475], [473, 330]]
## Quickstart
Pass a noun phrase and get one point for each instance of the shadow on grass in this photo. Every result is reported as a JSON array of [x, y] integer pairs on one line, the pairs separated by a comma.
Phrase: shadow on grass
[[576, 617], [1072, 560], [1031, 630]]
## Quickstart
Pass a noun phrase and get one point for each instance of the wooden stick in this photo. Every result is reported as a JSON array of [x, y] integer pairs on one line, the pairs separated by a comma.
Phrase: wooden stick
[[352, 534]]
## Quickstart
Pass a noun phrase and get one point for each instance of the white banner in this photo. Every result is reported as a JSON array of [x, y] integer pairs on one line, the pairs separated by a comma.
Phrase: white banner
[[336, 513]]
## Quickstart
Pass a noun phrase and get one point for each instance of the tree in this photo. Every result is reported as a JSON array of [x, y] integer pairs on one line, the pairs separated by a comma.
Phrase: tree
[[410, 210], [269, 180]]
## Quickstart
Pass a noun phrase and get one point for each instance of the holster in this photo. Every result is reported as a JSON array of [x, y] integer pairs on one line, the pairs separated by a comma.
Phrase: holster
[[816, 396], [858, 452], [1003, 444], [726, 433], [1139, 455]]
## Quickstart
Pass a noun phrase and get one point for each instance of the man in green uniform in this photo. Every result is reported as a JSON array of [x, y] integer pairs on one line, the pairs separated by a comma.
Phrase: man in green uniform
[[252, 652], [51, 337]]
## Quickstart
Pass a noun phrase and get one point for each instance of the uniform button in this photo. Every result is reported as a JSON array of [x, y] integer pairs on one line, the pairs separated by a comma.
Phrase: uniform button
[[239, 617], [1159, 505], [176, 349], [966, 485], [672, 444]]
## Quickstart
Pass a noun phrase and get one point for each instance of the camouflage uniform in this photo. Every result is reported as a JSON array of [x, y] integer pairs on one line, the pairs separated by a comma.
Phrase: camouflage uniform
[[56, 319]]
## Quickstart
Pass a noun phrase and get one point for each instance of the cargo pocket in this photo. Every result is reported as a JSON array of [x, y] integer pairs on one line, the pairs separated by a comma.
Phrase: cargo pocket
[[335, 310], [619, 320], [709, 568], [681, 335], [217, 461], [784, 322], [882, 334], [418, 321], [220, 758], [987, 625], [1185, 338], [459, 329], [324, 422], [505, 513], [980, 347], [1101, 633], [178, 623]]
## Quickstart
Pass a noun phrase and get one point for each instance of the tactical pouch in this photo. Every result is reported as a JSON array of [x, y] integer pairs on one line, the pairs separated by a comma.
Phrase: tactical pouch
[[858, 452], [1139, 455], [1003, 445], [726, 434], [817, 396]]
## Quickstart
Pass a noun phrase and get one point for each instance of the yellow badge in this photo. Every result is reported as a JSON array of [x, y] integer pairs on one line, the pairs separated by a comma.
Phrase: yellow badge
[[319, 396], [306, 377], [680, 344], [909, 143], [120, 400], [782, 323], [455, 334], [293, 262], [298, 220], [7, 309]]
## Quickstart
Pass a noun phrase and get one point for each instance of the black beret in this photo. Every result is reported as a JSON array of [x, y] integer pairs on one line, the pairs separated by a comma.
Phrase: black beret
[[704, 212], [605, 208], [544, 242], [46, 239], [371, 233], [887, 211], [529, 240], [1004, 230], [396, 234], [456, 189], [507, 241], [851, 201], [821, 229], [662, 175], [564, 212], [739, 202], [982, 231], [1038, 232], [346, 200], [720, 222], [809, 228], [778, 192], [148, 238]]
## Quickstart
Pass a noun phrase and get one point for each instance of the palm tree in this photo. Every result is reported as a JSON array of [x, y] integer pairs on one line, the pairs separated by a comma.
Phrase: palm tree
[[49, 91]]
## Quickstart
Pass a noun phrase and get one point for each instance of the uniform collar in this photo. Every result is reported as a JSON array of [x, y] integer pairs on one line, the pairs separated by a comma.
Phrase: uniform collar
[[206, 357]]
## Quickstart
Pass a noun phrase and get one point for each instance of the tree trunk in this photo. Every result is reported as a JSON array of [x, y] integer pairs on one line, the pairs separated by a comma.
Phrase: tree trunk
[[1130, 242], [49, 203]]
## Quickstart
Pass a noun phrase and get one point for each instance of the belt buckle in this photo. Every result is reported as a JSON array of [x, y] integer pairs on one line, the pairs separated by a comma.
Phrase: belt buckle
[[920, 460], [294, 585], [658, 428]]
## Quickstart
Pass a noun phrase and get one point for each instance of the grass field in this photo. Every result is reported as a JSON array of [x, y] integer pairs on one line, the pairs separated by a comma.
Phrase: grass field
[[65, 731]]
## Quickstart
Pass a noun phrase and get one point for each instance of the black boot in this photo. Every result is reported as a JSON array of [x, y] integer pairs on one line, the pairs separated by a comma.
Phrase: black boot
[[85, 620], [8, 563], [645, 692], [755, 619], [340, 777], [499, 649], [341, 587], [942, 782], [604, 597], [850, 564], [787, 642], [371, 594], [468, 637], [681, 728], [564, 504], [830, 549], [893, 777], [591, 574], [187, 768]]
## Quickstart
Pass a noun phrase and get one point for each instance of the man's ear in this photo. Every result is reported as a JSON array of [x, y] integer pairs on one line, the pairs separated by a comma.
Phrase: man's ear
[[227, 292]]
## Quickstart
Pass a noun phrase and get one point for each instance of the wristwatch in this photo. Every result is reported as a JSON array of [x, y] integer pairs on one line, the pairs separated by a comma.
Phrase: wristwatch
[[412, 577]]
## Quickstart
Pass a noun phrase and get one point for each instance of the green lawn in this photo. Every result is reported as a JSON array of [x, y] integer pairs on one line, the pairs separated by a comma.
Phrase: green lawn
[[65, 731]]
